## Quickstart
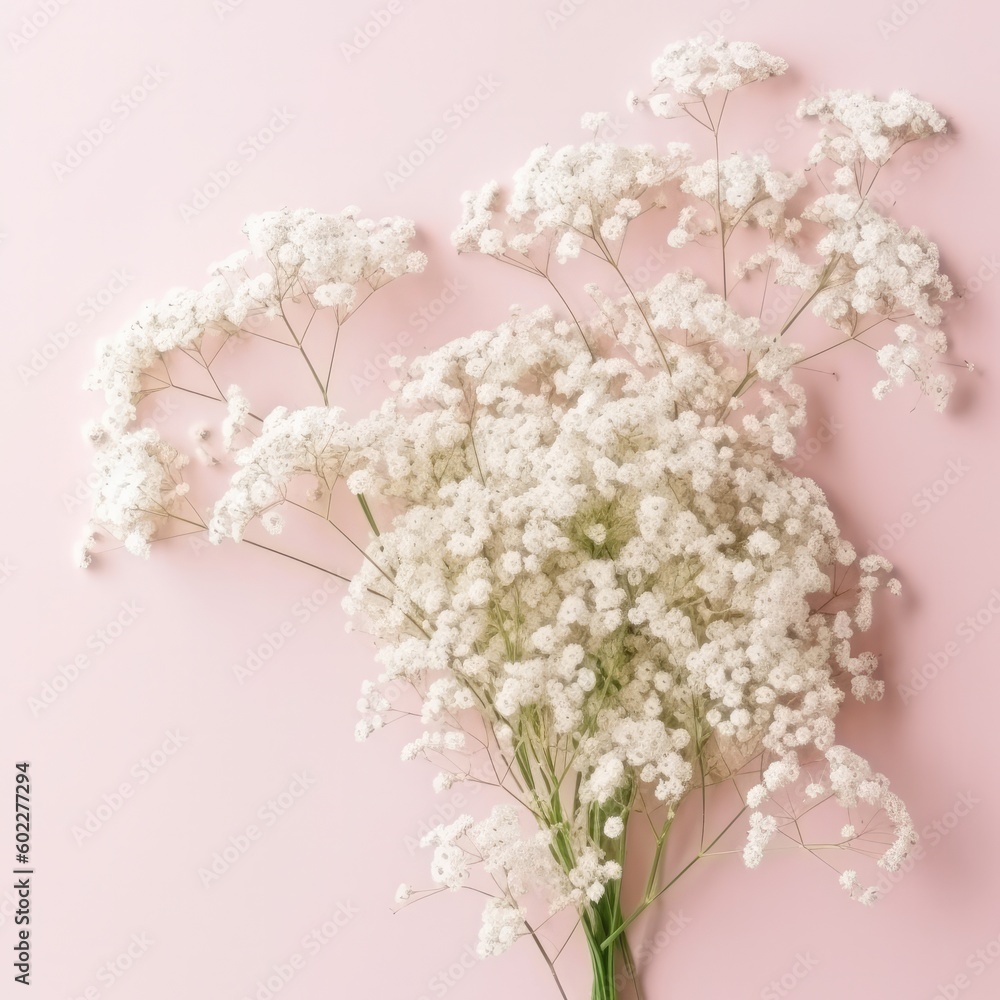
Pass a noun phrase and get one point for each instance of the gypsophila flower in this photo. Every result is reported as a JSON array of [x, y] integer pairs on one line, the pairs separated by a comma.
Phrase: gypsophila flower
[[875, 265], [331, 261], [619, 515], [312, 443], [762, 828], [502, 924], [139, 486], [699, 68], [592, 575], [857, 126], [746, 189], [575, 194], [237, 409]]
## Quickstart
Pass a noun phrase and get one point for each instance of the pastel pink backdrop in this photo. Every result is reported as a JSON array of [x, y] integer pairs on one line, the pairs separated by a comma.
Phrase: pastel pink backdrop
[[346, 843]]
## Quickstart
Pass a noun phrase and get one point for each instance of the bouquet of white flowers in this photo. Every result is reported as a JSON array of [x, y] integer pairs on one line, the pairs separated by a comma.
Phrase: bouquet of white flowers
[[595, 582]]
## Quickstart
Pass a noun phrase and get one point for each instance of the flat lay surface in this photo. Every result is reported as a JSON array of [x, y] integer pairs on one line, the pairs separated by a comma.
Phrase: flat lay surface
[[203, 822]]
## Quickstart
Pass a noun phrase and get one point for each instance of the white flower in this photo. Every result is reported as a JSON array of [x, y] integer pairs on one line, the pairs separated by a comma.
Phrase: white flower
[[762, 829], [313, 443], [237, 410], [857, 127], [139, 488], [590, 573], [618, 477], [748, 189], [293, 255], [699, 68], [592, 121], [575, 194], [450, 866], [503, 924]]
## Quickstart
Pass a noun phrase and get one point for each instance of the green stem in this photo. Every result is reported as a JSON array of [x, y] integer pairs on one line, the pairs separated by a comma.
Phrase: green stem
[[611, 966], [368, 514], [612, 938], [654, 871]]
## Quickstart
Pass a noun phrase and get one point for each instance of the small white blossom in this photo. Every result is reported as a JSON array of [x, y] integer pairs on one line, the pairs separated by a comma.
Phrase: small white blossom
[[856, 126], [614, 827], [699, 68]]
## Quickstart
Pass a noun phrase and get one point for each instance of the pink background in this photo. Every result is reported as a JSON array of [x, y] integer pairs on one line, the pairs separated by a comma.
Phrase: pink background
[[347, 842]]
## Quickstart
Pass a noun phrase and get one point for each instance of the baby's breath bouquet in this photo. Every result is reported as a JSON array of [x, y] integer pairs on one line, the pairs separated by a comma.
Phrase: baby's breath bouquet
[[594, 580]]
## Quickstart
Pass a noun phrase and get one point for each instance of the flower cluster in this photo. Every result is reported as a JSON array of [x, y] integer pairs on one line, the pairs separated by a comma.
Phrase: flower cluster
[[742, 191], [594, 562], [858, 127], [307, 258], [697, 68], [312, 442], [577, 193], [592, 578], [139, 481], [874, 265]]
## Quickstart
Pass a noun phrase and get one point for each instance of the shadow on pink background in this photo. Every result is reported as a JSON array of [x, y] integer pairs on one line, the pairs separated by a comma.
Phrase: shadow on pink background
[[120, 908]]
